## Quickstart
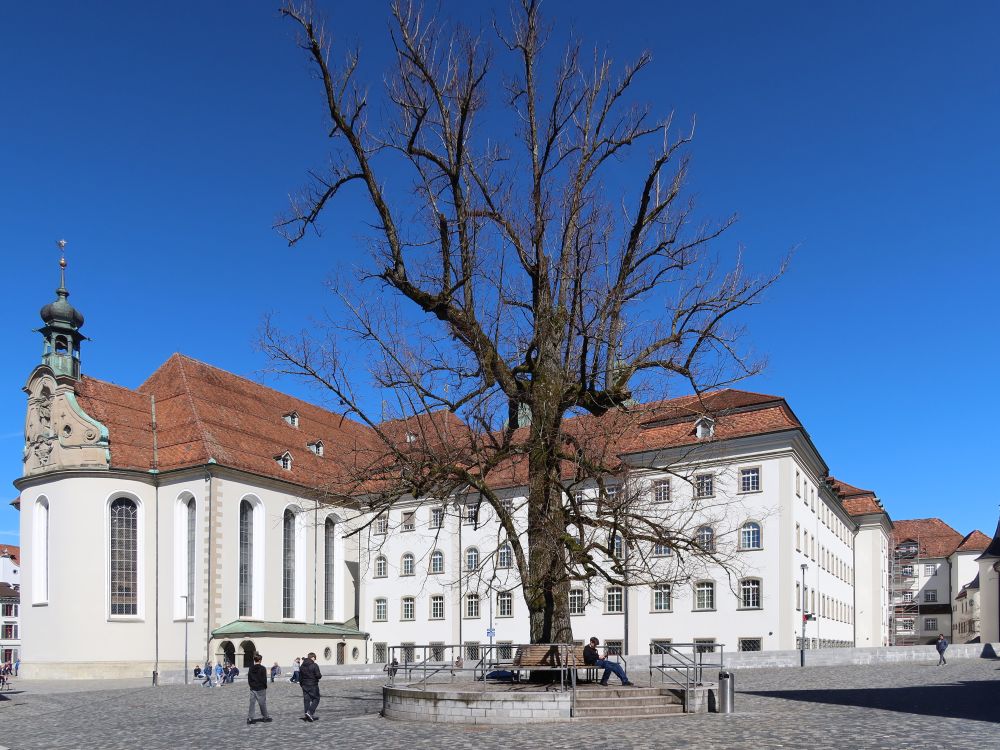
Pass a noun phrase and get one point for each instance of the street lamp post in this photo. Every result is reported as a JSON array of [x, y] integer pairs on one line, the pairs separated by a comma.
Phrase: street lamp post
[[802, 641], [186, 673]]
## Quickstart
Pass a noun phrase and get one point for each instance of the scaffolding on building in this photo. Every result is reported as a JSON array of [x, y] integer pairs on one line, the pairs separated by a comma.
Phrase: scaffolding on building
[[904, 593]]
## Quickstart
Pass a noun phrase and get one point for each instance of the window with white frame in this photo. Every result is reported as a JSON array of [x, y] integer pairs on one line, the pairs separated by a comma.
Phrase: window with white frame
[[662, 597], [576, 602], [704, 428], [751, 644], [505, 604], [471, 512], [409, 521], [472, 651], [124, 557], [437, 561], [750, 535], [190, 518], [381, 567], [704, 595], [505, 556], [406, 564], [40, 552], [661, 550], [614, 647], [705, 538], [617, 546], [329, 568], [381, 610], [930, 595], [472, 558], [907, 597], [798, 483], [661, 491], [750, 593], [437, 607], [906, 624], [508, 505], [292, 418], [437, 518], [705, 645], [472, 605], [285, 461], [614, 601], [798, 595], [246, 559], [704, 485], [381, 525], [798, 537], [288, 564], [611, 493], [437, 651], [316, 447], [930, 623], [381, 650], [930, 569], [908, 571], [407, 605], [505, 650], [750, 479]]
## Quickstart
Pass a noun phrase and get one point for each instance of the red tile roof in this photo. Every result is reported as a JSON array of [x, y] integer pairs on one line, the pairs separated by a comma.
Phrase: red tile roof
[[935, 537], [856, 501], [12, 551], [975, 541]]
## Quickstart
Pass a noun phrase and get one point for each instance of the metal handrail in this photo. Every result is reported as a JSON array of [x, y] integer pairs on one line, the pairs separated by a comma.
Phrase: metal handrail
[[690, 668]]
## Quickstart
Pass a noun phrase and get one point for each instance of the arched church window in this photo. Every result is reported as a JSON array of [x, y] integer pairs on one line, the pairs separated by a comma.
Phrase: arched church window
[[124, 535], [189, 509], [288, 565], [330, 567], [40, 553], [246, 559]]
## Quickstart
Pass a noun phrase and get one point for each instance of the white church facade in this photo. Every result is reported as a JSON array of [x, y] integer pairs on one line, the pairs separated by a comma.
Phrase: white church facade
[[203, 516]]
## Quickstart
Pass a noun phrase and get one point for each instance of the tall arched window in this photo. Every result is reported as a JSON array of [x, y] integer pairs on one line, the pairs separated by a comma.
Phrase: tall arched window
[[246, 559], [124, 556], [750, 535], [381, 567], [406, 565], [705, 538], [472, 558], [330, 567], [437, 561], [189, 588], [40, 553], [288, 565], [505, 556]]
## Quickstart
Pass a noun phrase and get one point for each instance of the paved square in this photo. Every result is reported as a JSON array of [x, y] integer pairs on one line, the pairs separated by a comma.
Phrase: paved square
[[839, 708]]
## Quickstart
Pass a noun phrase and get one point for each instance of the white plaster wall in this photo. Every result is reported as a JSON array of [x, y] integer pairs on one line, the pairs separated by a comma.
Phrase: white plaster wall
[[989, 601], [870, 547]]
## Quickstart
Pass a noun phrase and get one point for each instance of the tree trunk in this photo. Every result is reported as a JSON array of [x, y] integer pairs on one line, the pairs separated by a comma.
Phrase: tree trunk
[[546, 586]]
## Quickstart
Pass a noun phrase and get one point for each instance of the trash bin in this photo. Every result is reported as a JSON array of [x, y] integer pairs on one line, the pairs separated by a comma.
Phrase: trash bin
[[727, 692]]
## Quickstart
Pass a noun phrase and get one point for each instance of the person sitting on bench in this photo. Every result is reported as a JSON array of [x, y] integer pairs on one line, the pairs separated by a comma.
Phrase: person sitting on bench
[[592, 659]]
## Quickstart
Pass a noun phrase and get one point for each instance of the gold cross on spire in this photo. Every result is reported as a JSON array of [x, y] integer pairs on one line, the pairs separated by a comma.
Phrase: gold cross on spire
[[61, 244]]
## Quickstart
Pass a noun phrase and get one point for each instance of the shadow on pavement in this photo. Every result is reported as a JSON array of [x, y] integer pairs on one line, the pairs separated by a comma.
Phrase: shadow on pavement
[[965, 700]]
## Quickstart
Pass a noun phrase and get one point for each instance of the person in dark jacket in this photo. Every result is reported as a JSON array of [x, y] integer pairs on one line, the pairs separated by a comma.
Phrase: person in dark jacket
[[257, 681], [941, 645], [309, 677], [592, 659]]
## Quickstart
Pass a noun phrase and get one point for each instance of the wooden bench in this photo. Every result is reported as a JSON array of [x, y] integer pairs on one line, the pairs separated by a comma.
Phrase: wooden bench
[[542, 657]]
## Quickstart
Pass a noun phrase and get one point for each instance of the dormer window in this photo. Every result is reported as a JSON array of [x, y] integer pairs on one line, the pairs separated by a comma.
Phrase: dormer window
[[704, 428], [316, 447], [292, 418], [285, 461], [411, 437]]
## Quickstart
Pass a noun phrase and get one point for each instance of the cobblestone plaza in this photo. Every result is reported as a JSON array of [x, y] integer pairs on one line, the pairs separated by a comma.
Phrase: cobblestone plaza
[[835, 708]]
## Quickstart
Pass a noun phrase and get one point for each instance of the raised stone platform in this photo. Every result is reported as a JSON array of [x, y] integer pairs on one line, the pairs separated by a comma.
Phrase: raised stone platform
[[467, 702]]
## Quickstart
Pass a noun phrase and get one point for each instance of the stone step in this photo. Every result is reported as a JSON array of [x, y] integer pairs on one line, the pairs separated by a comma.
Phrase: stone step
[[620, 692], [667, 709], [625, 702]]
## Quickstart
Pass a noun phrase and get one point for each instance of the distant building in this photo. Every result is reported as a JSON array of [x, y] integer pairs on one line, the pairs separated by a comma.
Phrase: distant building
[[10, 602]]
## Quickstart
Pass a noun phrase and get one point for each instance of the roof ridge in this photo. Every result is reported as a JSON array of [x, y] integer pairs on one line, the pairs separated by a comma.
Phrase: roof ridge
[[194, 408]]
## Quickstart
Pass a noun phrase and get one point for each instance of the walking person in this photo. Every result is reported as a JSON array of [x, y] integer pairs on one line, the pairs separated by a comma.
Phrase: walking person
[[295, 670], [218, 674], [207, 674], [275, 671], [941, 646], [309, 677], [592, 659], [257, 681]]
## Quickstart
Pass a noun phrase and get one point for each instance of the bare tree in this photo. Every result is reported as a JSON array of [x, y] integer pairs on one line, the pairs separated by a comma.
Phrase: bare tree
[[532, 305]]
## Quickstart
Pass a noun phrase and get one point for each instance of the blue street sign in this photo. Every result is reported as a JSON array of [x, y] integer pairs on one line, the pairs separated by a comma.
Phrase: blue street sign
[[491, 633]]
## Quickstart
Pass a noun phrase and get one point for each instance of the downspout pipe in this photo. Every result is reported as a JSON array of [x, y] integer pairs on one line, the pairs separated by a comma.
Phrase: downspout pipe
[[155, 471]]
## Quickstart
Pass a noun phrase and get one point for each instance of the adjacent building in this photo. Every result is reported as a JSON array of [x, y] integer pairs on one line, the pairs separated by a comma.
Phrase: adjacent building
[[10, 603]]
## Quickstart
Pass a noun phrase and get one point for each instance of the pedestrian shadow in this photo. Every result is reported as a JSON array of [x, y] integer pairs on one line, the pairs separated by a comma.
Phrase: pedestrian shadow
[[976, 701]]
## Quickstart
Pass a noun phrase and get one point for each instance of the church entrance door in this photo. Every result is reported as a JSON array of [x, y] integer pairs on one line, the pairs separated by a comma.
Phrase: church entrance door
[[341, 652]]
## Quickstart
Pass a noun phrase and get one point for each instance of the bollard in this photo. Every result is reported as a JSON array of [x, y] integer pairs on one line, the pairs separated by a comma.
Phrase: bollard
[[727, 692]]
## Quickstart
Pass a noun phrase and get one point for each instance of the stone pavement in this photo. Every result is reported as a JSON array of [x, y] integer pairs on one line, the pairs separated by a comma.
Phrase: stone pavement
[[880, 707]]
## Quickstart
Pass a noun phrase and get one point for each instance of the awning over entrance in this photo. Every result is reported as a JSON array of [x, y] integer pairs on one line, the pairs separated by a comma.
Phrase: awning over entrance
[[257, 629]]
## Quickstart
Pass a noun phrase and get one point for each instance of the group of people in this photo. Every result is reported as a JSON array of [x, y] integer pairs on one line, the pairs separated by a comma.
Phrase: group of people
[[7, 670], [222, 674], [306, 674]]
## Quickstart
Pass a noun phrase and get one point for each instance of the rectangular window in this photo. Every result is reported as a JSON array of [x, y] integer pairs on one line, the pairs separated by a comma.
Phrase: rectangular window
[[406, 611], [704, 595], [704, 485], [472, 605], [381, 610], [381, 525], [10, 631], [472, 651], [750, 593], [798, 529], [437, 518], [751, 644], [471, 512], [508, 505], [505, 650], [408, 652], [661, 491], [613, 647], [660, 645], [613, 601], [907, 597], [750, 479], [661, 597], [7, 610], [798, 594], [798, 483], [381, 649], [437, 651], [409, 521], [930, 595], [505, 604], [576, 602], [437, 607], [930, 569], [908, 571], [705, 645], [661, 550]]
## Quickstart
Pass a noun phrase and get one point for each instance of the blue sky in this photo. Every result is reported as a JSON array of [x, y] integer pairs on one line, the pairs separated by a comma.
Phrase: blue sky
[[162, 139]]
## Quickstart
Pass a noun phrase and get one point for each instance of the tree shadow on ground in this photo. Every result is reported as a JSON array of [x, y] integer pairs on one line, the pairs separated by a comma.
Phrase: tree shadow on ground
[[964, 700]]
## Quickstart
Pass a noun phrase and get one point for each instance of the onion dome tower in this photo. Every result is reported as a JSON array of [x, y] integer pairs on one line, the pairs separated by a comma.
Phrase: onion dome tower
[[61, 329]]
